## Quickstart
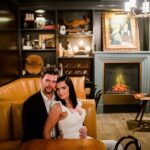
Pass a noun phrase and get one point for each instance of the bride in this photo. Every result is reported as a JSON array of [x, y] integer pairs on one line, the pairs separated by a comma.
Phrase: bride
[[68, 113]]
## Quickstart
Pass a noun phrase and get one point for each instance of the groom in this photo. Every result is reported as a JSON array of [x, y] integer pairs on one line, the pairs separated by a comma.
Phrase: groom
[[36, 108]]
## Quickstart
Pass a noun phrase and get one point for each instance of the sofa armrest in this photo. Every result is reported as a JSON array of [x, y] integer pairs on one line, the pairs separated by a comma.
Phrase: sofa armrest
[[63, 144], [79, 86], [90, 119], [5, 121]]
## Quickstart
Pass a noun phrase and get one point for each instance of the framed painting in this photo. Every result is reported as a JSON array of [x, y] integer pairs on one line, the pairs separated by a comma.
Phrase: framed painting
[[48, 39], [120, 32]]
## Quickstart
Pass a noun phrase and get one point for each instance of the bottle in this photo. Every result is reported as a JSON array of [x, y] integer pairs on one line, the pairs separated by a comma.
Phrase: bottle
[[61, 49], [48, 63], [61, 69], [69, 45], [69, 49], [43, 44], [28, 42]]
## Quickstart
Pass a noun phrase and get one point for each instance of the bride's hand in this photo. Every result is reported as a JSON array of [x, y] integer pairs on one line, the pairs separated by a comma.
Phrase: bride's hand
[[83, 132]]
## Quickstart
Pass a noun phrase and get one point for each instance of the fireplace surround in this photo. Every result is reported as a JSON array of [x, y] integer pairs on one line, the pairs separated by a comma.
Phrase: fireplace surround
[[110, 62]]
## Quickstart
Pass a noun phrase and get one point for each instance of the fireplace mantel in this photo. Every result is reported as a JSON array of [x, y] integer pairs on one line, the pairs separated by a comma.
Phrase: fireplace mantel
[[143, 57]]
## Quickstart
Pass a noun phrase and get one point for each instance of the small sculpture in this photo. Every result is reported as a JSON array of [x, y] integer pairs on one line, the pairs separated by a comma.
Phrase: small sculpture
[[62, 30], [77, 22]]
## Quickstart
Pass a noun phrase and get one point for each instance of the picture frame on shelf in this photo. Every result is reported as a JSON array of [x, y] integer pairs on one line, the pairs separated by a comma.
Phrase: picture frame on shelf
[[48, 40], [120, 32]]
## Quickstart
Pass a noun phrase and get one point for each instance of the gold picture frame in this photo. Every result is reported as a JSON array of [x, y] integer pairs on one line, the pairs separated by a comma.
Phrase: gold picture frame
[[48, 39], [120, 32]]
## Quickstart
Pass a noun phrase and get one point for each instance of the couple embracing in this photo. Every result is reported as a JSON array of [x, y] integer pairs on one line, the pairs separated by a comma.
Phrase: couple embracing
[[54, 111]]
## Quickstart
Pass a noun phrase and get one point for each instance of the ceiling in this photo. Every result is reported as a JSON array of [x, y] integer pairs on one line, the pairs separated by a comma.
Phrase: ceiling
[[110, 5], [69, 0], [98, 4]]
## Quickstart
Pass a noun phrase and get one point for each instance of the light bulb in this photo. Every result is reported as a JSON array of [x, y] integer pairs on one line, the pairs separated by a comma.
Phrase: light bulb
[[145, 7]]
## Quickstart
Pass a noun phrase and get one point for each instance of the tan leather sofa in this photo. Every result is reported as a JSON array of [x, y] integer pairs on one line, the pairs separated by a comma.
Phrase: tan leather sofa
[[22, 88], [12, 97]]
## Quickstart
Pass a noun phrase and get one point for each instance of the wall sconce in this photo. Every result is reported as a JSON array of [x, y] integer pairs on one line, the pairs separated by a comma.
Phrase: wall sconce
[[131, 8]]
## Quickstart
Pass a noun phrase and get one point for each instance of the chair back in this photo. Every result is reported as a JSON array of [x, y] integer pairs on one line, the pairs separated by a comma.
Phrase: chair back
[[132, 141], [98, 97]]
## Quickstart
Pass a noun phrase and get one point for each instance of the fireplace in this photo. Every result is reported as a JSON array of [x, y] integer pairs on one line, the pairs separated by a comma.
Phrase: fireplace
[[121, 78], [120, 75]]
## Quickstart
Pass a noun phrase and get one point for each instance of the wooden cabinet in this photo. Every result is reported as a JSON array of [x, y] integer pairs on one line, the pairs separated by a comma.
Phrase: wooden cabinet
[[80, 44], [75, 32], [41, 35], [76, 42], [37, 38]]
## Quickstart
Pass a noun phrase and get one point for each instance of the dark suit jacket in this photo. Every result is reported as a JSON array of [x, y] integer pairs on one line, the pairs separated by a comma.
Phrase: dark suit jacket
[[34, 116]]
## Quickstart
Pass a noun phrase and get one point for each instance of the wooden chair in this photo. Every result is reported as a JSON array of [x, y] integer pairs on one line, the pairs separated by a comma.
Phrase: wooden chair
[[98, 97], [131, 141]]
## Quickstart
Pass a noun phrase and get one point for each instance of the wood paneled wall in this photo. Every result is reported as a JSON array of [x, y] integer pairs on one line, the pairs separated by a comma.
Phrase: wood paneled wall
[[9, 54]]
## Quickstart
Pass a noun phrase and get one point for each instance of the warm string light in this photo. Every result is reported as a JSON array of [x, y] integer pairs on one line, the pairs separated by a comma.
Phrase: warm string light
[[131, 7]]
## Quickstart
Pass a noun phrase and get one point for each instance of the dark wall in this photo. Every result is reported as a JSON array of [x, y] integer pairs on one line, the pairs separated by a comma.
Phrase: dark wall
[[9, 60]]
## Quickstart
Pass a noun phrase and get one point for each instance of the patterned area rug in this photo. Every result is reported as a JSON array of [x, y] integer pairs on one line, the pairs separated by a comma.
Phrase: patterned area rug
[[144, 127]]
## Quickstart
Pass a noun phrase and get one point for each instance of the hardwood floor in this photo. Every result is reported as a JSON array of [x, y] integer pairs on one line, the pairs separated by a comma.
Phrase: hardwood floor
[[114, 126]]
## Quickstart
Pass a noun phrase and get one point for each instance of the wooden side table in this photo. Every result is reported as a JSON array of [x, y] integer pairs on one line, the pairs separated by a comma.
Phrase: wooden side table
[[144, 98]]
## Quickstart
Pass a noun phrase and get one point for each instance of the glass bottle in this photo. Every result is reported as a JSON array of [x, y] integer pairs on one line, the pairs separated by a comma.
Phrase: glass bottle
[[28, 42]]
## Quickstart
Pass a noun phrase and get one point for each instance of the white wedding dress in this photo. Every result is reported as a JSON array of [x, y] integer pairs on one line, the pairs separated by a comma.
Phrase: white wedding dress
[[73, 122]]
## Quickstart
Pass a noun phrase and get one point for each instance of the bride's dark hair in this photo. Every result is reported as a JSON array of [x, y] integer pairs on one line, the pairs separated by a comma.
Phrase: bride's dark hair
[[72, 94]]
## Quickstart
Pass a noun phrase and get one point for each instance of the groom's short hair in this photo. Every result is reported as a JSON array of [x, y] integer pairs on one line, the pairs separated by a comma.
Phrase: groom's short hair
[[51, 71]]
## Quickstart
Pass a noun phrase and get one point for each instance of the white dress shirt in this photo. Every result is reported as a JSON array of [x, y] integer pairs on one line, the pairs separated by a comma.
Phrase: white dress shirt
[[48, 103]]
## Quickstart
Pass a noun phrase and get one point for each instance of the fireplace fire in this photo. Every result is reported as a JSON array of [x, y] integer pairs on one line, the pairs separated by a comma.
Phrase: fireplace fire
[[121, 78], [120, 85], [120, 88]]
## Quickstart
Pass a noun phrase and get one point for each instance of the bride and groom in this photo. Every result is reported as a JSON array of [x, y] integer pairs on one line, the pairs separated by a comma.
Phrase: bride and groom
[[66, 113]]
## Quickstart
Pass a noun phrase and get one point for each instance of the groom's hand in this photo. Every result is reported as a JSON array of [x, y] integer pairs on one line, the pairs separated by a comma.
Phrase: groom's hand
[[83, 132], [60, 135]]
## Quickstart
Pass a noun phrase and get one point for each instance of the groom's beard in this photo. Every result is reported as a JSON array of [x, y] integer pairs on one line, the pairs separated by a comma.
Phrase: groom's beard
[[48, 90]]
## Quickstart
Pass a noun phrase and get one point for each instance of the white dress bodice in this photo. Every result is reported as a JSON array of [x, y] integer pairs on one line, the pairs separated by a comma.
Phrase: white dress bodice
[[72, 123]]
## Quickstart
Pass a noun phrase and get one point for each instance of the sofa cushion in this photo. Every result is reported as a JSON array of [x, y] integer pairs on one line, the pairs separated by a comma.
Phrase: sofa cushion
[[29, 86], [17, 120], [79, 85], [5, 120], [90, 117], [20, 89]]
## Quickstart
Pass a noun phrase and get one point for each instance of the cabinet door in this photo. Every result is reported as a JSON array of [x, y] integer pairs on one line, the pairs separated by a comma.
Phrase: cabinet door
[[37, 38]]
